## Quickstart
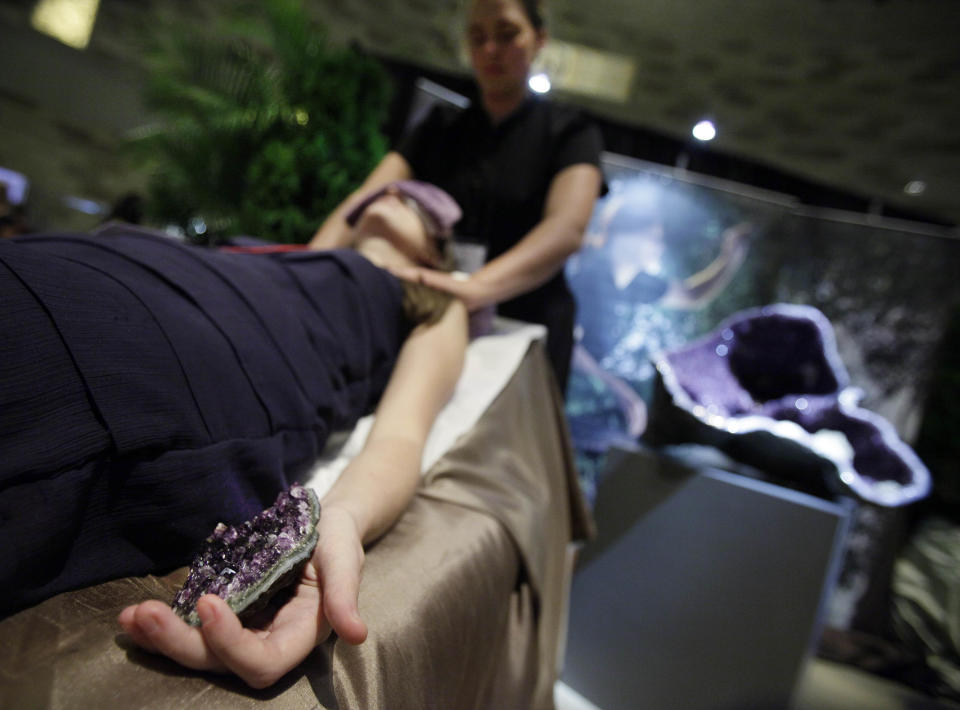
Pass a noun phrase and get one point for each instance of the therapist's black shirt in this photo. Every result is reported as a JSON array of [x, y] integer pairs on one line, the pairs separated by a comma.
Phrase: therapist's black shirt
[[500, 175]]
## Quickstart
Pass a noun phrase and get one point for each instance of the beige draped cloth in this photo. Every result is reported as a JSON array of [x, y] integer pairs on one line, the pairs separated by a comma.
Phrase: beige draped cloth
[[464, 597]]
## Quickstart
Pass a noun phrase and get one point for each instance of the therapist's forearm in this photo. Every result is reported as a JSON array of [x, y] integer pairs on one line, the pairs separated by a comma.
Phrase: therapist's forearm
[[533, 261], [334, 233], [540, 254]]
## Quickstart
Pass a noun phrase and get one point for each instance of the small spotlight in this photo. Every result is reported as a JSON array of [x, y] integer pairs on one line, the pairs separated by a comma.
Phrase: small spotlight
[[705, 131], [539, 83], [915, 187]]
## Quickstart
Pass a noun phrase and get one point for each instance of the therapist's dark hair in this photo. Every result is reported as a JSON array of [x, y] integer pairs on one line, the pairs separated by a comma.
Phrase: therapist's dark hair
[[534, 12]]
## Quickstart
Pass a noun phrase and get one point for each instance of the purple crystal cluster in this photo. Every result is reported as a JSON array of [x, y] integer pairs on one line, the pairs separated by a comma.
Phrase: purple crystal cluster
[[776, 372], [246, 564]]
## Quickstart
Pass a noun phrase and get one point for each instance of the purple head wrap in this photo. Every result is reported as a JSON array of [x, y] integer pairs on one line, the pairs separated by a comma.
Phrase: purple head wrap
[[438, 208]]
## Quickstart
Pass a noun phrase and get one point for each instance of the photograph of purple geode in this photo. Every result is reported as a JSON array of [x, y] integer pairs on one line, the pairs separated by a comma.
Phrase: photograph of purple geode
[[773, 374], [247, 564]]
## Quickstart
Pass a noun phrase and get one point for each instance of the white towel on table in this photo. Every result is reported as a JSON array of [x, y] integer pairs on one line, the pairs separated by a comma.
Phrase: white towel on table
[[490, 362]]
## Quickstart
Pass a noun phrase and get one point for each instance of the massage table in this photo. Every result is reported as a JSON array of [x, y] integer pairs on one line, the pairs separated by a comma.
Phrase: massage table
[[465, 597]]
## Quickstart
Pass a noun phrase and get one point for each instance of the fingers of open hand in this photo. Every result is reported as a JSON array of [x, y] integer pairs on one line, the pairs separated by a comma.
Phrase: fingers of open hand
[[406, 273], [339, 558], [260, 658], [128, 623], [467, 290], [427, 277], [156, 628], [222, 644]]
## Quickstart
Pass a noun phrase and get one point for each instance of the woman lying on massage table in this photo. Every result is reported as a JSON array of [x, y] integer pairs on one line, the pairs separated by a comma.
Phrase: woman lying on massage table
[[211, 381]]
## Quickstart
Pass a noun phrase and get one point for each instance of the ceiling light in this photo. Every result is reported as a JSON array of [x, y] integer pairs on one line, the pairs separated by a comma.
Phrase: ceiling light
[[579, 69], [70, 21], [705, 131], [915, 187], [539, 83]]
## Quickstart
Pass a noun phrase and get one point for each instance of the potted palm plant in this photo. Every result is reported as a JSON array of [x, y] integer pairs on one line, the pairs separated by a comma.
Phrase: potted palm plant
[[264, 126]]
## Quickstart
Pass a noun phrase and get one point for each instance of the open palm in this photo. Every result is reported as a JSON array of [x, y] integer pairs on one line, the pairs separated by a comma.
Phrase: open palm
[[324, 600]]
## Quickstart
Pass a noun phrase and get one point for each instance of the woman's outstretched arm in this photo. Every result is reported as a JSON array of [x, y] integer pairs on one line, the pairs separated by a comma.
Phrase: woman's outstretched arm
[[369, 497], [385, 474]]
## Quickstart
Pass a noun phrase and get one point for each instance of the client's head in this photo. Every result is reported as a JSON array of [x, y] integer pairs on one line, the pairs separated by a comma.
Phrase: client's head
[[413, 218], [408, 222]]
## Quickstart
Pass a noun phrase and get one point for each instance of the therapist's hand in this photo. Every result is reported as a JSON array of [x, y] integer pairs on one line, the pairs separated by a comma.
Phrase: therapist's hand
[[474, 293], [324, 600]]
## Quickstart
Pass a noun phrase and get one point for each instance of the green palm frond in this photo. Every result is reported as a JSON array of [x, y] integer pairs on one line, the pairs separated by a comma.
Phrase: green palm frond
[[264, 127]]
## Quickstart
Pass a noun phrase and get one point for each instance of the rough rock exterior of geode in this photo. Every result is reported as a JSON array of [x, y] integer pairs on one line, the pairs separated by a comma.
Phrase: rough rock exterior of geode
[[247, 564]]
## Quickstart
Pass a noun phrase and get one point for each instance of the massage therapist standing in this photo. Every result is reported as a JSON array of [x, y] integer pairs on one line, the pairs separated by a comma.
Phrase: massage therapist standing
[[524, 170]]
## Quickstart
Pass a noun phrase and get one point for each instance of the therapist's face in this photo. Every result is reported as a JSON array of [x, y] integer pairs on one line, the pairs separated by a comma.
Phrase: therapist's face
[[503, 44]]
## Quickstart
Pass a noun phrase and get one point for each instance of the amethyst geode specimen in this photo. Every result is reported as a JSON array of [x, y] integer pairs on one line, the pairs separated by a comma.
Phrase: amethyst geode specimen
[[769, 388], [247, 564]]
